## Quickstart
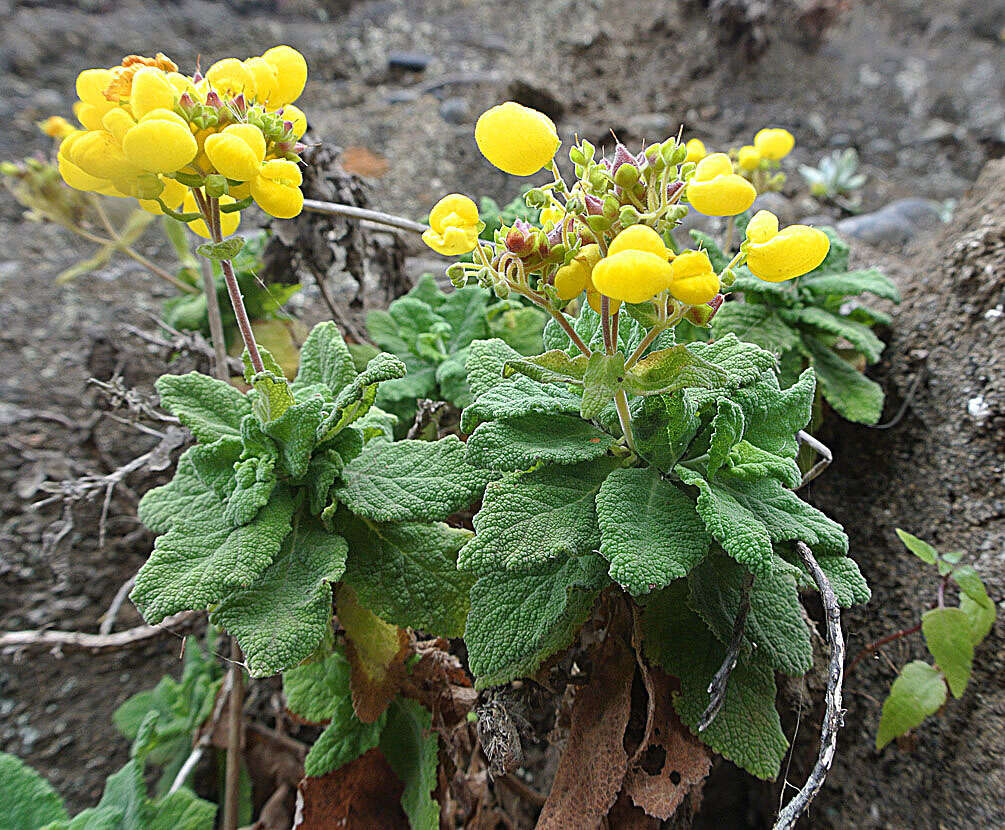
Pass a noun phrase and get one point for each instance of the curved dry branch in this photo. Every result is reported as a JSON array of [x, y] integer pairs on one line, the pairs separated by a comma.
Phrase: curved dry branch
[[833, 714], [365, 215], [720, 680], [80, 639], [821, 449]]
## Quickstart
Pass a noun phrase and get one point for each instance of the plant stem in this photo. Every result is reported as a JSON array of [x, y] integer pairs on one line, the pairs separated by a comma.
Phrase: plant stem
[[730, 225], [235, 715], [353, 212], [211, 212], [558, 316], [882, 641], [605, 322], [215, 321], [647, 341], [625, 417]]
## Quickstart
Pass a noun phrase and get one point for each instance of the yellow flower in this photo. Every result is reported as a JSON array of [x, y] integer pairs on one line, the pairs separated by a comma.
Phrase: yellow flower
[[716, 190], [516, 139], [291, 74], [594, 298], [228, 221], [453, 226], [118, 122], [572, 279], [161, 142], [695, 151], [693, 281], [632, 276], [276, 189], [264, 75], [91, 86], [639, 238], [173, 195], [237, 152], [151, 90], [774, 143], [552, 215], [297, 118], [776, 256], [230, 78], [98, 154], [749, 157], [55, 126]]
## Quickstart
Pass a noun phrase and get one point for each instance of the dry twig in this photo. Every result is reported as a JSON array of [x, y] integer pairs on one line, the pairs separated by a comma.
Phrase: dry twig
[[80, 639], [720, 680], [821, 449]]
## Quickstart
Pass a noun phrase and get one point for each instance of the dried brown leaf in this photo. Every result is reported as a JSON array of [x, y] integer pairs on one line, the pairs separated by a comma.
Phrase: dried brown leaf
[[362, 795], [673, 763], [364, 162]]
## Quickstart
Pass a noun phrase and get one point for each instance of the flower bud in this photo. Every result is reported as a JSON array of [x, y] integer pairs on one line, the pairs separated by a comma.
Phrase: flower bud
[[701, 315], [594, 206], [598, 224], [453, 225], [621, 157], [457, 275], [521, 239], [598, 180], [612, 207], [240, 104], [676, 213], [626, 176], [536, 197], [213, 99], [501, 289], [216, 186], [673, 188], [577, 156], [628, 216]]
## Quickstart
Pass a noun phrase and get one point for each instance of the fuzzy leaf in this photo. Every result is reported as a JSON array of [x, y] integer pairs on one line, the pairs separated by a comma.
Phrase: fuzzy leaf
[[273, 395], [824, 323], [529, 519], [650, 532], [980, 616], [852, 394], [409, 480], [314, 690], [555, 366], [356, 398], [919, 691], [282, 616], [747, 729], [324, 359], [520, 443], [181, 810], [601, 381], [775, 625], [209, 407], [407, 574], [182, 497], [745, 517], [202, 558], [668, 370], [850, 283], [948, 637], [410, 745], [27, 800], [344, 739], [727, 430], [518, 620], [755, 323]]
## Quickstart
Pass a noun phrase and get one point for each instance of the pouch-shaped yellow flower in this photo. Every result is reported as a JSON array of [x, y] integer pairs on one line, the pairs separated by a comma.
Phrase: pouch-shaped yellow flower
[[228, 221], [161, 142], [572, 279], [716, 190], [695, 150], [639, 238], [230, 78], [291, 74], [98, 154], [632, 276], [264, 75], [748, 158], [774, 143], [777, 255], [276, 189], [151, 90], [516, 139], [296, 117], [693, 280], [237, 152], [453, 226]]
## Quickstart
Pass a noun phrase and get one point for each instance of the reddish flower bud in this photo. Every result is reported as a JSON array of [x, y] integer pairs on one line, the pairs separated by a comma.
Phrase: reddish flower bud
[[213, 100], [701, 315], [594, 206], [521, 239], [240, 104], [674, 188]]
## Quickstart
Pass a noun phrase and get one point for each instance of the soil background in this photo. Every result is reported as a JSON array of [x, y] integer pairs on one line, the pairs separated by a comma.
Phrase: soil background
[[915, 86]]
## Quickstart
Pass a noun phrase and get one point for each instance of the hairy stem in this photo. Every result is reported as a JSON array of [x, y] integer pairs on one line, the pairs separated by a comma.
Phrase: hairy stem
[[625, 417], [235, 715], [640, 350], [558, 316], [215, 321], [605, 322]]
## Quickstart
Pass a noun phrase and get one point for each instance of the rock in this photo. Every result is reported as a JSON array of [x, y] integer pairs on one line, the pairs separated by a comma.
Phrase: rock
[[532, 94], [653, 126], [895, 224], [818, 220], [408, 61], [455, 110], [778, 205]]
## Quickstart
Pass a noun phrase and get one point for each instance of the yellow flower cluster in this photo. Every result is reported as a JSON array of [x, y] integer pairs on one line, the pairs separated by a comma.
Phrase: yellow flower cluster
[[777, 255], [151, 133]]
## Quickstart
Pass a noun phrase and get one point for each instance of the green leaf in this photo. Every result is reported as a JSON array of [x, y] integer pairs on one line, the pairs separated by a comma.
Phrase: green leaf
[[775, 626], [254, 480], [772, 416], [355, 400], [520, 443], [314, 690], [500, 397], [919, 691], [555, 366], [410, 746], [727, 430], [851, 393], [518, 620], [409, 480], [823, 323], [747, 462], [780, 294], [529, 519], [126, 791], [273, 395], [668, 370], [184, 496], [948, 637], [209, 407], [850, 283], [601, 381], [344, 739], [202, 558], [282, 616], [181, 810], [452, 378], [216, 251], [846, 580], [755, 323], [970, 583], [743, 363], [980, 616], [27, 800], [920, 548], [521, 328], [664, 428], [214, 464], [295, 432], [407, 574], [649, 529], [747, 730], [324, 359], [464, 309], [837, 257], [745, 517]]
